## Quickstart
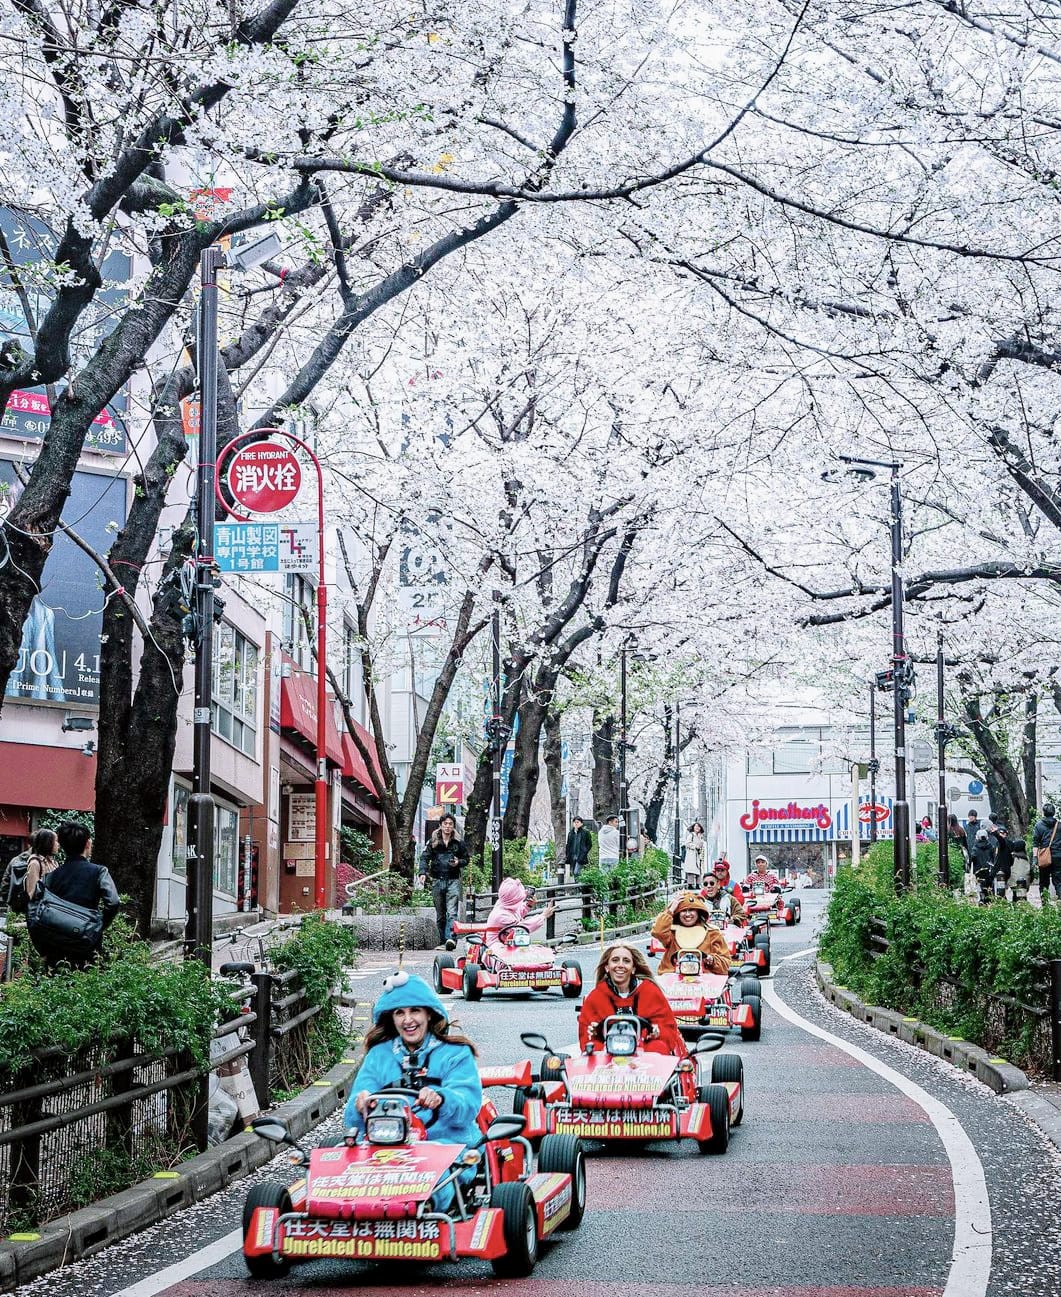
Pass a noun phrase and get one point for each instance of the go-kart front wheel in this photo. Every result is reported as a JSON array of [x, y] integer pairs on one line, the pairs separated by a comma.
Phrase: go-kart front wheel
[[762, 942], [520, 1228], [750, 986], [441, 962], [572, 990], [470, 983], [564, 1154], [717, 1099], [755, 1031], [264, 1195]]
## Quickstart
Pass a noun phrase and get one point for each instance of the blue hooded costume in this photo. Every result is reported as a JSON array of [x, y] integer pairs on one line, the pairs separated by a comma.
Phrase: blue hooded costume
[[448, 1069]]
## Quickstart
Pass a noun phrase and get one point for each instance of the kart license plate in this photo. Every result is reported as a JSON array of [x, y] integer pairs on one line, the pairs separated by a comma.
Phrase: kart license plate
[[513, 977], [615, 1123], [410, 1240]]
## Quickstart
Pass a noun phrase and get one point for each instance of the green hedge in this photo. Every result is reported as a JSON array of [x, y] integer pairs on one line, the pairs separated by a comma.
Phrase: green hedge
[[946, 957], [634, 874]]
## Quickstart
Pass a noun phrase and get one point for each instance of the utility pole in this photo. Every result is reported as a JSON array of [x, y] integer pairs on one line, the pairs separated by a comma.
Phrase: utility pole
[[676, 867], [874, 764], [903, 680], [498, 740], [198, 933]]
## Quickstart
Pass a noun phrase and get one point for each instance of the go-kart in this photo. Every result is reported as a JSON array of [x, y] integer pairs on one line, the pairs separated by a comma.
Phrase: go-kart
[[771, 903], [511, 962], [749, 947], [617, 1090], [719, 1002], [393, 1195]]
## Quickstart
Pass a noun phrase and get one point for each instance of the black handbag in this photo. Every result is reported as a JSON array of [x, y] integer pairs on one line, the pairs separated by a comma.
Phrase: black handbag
[[65, 922]]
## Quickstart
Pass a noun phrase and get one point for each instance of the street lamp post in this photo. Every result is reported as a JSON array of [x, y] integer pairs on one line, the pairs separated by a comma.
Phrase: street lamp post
[[677, 858], [497, 739], [874, 764], [623, 799], [900, 679], [944, 734]]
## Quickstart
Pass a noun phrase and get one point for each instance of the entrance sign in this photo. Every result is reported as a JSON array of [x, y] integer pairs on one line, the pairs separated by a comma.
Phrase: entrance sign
[[265, 478]]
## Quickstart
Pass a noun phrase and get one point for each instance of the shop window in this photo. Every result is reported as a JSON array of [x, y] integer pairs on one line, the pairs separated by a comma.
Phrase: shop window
[[795, 758], [226, 850], [179, 820], [235, 689], [760, 764], [298, 612]]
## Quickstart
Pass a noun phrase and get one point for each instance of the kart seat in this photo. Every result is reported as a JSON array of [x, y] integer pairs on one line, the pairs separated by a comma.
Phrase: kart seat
[[506, 1126]]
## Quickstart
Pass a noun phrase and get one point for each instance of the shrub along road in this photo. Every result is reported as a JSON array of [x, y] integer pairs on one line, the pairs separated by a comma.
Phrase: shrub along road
[[838, 1184]]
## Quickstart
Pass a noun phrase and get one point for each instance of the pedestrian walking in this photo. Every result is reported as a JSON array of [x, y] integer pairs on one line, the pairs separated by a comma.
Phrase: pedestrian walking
[[695, 855], [957, 835], [1046, 844], [71, 906], [983, 861], [444, 857], [576, 849], [608, 843], [928, 833]]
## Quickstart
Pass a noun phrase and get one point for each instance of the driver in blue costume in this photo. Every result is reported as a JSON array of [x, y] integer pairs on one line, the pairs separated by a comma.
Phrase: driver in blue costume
[[410, 1045]]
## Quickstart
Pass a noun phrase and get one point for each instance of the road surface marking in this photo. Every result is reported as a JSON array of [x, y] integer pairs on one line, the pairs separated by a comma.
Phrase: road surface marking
[[970, 1266], [180, 1270]]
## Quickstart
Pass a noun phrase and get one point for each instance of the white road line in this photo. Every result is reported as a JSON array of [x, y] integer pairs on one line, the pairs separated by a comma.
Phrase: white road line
[[970, 1266], [181, 1270]]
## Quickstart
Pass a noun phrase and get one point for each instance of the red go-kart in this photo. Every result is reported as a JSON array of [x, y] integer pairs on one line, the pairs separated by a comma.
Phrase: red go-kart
[[617, 1090], [393, 1195], [749, 947], [510, 963], [771, 904], [717, 1002]]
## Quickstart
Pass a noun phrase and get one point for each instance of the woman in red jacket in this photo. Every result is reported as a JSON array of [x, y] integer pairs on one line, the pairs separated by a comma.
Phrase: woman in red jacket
[[625, 982]]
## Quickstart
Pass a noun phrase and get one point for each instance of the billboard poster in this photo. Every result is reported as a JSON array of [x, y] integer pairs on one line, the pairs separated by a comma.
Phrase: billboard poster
[[32, 248], [58, 660]]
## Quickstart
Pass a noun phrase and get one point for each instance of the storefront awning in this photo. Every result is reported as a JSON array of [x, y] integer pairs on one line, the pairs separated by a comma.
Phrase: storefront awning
[[298, 710], [32, 774], [354, 766]]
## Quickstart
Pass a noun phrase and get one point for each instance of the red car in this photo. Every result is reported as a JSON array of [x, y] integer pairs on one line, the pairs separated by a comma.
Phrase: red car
[[717, 1001], [373, 1198], [617, 1090], [773, 904], [511, 962]]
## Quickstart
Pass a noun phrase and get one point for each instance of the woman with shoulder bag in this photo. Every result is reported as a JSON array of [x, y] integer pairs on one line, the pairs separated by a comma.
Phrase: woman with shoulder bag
[[65, 920], [1046, 844]]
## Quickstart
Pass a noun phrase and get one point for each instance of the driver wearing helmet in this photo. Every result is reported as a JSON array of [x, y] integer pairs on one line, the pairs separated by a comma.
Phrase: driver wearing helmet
[[410, 1045], [512, 907], [625, 985], [762, 875], [686, 924]]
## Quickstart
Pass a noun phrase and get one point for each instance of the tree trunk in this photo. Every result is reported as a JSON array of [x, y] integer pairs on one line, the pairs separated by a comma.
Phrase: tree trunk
[[664, 778], [1004, 783], [523, 777], [605, 776], [552, 755], [1029, 747]]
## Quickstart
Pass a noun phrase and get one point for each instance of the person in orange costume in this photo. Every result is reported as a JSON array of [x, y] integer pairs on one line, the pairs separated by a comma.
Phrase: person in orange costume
[[624, 981], [686, 925]]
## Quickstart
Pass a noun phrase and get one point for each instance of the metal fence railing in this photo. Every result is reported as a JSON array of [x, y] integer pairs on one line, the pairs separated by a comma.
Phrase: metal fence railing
[[577, 905], [71, 1124]]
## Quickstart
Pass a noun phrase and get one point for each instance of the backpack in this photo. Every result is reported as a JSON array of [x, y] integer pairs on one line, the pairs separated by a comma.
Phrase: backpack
[[17, 900]]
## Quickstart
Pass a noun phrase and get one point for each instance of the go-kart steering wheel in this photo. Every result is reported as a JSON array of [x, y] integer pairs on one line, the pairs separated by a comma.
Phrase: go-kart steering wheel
[[403, 1092]]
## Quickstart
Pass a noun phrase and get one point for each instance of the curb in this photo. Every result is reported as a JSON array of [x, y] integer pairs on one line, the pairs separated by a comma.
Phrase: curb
[[1000, 1075], [86, 1231]]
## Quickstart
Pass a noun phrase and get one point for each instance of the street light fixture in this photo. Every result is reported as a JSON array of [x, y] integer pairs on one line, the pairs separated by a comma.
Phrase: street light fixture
[[900, 679]]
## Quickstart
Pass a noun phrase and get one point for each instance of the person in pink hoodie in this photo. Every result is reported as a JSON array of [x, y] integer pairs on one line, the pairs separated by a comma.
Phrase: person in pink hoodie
[[512, 907]]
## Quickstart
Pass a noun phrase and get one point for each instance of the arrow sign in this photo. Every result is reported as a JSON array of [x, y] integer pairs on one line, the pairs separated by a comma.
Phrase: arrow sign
[[449, 794]]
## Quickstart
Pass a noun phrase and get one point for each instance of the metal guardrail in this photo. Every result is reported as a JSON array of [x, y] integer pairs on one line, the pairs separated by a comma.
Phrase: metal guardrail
[[1047, 1012]]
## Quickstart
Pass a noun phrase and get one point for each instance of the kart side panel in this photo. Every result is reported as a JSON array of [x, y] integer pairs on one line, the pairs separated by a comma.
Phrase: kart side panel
[[552, 1195]]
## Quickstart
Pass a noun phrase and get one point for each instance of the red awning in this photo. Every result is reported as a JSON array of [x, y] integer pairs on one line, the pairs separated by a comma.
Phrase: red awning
[[354, 763], [34, 775], [298, 710]]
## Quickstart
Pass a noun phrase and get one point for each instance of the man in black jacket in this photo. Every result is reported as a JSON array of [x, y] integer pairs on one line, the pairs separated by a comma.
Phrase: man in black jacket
[[576, 850], [83, 883], [444, 857], [1047, 834]]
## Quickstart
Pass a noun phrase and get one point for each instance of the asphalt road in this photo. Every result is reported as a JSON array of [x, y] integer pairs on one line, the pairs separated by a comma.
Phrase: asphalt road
[[864, 1168]]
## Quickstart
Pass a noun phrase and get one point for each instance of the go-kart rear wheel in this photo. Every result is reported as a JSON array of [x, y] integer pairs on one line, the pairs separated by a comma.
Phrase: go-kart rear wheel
[[750, 986], [520, 1228], [572, 990], [790, 916], [441, 962], [730, 1067], [269, 1194], [717, 1099], [755, 1031], [762, 942], [470, 983], [564, 1154], [797, 911]]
